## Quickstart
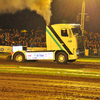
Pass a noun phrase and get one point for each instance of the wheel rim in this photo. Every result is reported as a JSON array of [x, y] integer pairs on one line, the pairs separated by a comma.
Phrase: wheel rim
[[19, 58], [61, 58]]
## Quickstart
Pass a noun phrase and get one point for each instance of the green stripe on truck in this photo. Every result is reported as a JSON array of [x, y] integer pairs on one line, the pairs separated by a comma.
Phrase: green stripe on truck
[[54, 39]]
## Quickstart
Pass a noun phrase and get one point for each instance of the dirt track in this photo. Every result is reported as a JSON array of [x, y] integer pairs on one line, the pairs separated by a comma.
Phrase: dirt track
[[48, 64], [41, 87]]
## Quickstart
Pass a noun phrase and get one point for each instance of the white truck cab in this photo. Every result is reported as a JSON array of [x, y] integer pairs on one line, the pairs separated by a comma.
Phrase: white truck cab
[[61, 45]]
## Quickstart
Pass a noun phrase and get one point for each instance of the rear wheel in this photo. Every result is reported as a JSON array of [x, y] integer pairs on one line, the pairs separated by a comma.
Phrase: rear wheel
[[62, 57], [19, 57]]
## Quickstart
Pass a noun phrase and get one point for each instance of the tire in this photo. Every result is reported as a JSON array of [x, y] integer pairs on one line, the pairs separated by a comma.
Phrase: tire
[[62, 58], [19, 57]]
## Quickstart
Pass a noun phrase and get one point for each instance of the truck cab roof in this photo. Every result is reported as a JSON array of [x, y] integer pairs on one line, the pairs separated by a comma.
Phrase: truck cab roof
[[66, 25]]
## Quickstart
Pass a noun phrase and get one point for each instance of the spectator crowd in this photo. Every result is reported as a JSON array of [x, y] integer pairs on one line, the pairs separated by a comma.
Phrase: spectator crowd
[[92, 41], [14, 37]]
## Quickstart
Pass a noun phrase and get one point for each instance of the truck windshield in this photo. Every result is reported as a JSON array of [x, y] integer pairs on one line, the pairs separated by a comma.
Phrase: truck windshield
[[77, 31]]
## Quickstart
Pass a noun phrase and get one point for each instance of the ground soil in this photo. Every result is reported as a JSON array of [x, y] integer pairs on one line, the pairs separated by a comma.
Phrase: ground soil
[[48, 87]]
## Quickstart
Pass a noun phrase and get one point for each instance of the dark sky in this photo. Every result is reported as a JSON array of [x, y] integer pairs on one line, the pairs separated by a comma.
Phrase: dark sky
[[61, 10], [21, 20], [69, 9]]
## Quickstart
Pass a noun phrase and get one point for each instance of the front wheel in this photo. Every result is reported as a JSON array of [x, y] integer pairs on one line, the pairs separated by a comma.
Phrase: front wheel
[[62, 57], [19, 57]]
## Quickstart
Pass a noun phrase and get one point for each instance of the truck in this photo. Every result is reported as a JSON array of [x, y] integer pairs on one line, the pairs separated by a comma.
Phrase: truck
[[61, 45]]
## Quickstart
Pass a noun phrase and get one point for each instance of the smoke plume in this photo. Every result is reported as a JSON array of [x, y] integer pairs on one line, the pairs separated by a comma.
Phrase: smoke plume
[[42, 7]]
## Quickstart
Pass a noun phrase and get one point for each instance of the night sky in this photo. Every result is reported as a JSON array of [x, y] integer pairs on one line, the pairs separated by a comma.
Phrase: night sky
[[62, 10], [69, 9]]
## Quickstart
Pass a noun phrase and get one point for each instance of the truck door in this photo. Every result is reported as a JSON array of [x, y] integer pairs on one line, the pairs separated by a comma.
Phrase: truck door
[[66, 36]]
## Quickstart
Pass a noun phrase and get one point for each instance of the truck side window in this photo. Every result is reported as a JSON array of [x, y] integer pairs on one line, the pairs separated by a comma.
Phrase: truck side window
[[64, 32]]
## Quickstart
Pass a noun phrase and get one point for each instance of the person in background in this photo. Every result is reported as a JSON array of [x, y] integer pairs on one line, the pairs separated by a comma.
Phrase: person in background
[[31, 44], [43, 38], [35, 44], [3, 42], [27, 44], [19, 43], [24, 44], [32, 35]]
